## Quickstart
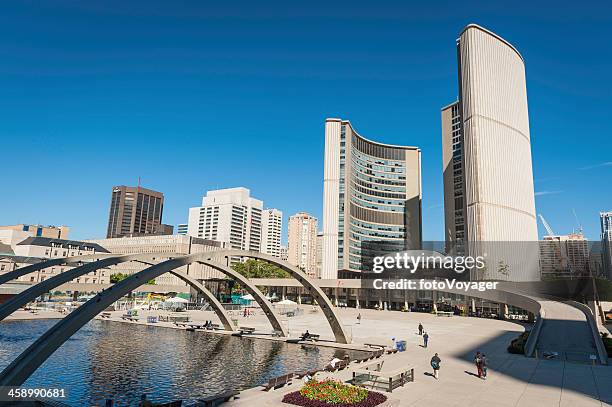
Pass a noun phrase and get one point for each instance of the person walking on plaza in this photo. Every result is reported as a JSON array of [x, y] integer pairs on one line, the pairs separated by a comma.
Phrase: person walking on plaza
[[425, 339], [420, 329], [484, 366], [435, 364], [478, 361], [359, 318]]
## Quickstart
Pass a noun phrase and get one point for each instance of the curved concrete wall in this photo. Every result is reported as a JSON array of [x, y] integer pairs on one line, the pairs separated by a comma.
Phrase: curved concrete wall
[[499, 178]]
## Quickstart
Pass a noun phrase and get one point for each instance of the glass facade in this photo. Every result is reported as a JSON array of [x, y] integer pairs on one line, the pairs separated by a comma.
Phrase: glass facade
[[373, 200]]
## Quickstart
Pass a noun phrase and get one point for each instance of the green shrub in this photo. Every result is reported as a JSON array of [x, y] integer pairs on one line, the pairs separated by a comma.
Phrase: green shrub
[[517, 345], [607, 341]]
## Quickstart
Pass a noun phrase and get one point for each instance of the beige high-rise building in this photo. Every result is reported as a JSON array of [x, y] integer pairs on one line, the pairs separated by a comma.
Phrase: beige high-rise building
[[302, 248], [488, 179], [564, 256]]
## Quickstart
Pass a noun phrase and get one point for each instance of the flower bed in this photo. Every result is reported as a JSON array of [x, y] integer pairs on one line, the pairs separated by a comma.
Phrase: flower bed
[[331, 393]]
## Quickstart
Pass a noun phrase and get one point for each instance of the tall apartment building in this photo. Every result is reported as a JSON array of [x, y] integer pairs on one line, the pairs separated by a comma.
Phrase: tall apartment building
[[371, 200], [135, 211], [564, 256], [319, 253], [302, 243], [488, 180], [54, 232], [606, 243], [271, 232], [230, 216]]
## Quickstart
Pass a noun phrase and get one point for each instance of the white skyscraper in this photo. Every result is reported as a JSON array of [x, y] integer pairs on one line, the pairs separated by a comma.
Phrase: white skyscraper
[[488, 179], [271, 231], [302, 249], [228, 215], [606, 243]]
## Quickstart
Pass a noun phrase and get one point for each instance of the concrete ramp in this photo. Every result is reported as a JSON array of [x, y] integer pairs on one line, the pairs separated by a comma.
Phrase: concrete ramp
[[567, 331]]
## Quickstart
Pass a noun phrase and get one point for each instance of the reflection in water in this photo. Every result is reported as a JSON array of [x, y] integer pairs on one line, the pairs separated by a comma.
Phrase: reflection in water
[[123, 361]]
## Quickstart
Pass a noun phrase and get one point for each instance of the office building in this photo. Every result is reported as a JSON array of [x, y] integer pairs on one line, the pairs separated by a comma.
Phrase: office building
[[302, 243], [230, 216], [271, 232], [488, 180], [319, 253], [182, 229], [135, 211], [371, 200], [170, 244], [564, 256], [33, 249], [606, 243], [55, 232]]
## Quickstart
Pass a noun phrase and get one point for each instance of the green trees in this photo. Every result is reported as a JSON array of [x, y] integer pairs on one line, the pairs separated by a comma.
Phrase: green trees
[[253, 268], [115, 278]]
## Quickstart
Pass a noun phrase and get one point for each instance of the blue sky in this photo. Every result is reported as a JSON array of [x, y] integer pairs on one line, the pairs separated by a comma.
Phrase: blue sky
[[194, 95]]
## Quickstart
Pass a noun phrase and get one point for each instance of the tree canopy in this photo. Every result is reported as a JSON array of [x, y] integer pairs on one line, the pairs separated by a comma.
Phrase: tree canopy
[[254, 268]]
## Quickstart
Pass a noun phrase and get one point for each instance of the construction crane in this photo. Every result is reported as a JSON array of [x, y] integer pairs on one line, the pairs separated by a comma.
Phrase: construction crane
[[577, 221], [546, 226]]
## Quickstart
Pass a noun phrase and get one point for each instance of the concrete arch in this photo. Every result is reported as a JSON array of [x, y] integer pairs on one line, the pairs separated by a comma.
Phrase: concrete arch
[[35, 355], [326, 306], [32, 268], [37, 290], [317, 293]]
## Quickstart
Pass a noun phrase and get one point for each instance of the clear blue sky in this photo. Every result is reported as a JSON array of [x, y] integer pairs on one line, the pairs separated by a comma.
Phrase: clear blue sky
[[197, 95]]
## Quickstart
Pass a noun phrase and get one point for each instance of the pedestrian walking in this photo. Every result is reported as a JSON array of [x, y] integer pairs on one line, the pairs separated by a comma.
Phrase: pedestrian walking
[[420, 329], [484, 366], [435, 364], [359, 318], [425, 339], [478, 361]]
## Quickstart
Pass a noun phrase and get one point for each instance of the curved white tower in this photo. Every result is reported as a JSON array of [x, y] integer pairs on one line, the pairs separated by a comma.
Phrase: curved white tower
[[499, 197]]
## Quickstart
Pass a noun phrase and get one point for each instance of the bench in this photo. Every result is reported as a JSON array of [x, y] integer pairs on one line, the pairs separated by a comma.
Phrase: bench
[[392, 350], [387, 380], [126, 317], [372, 366], [444, 313], [217, 399], [197, 325], [311, 337], [246, 330], [105, 315], [278, 382], [338, 366], [373, 345]]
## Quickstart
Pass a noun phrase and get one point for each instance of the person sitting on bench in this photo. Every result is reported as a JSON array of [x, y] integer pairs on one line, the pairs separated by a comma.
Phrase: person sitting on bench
[[305, 335], [333, 363]]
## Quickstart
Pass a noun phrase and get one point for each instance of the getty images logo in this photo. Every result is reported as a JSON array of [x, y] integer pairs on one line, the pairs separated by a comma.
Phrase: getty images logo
[[412, 260]]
